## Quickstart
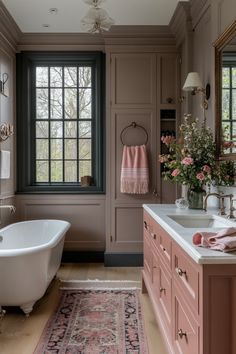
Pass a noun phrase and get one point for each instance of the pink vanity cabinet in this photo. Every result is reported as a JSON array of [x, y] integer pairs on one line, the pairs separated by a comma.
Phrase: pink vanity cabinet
[[194, 304]]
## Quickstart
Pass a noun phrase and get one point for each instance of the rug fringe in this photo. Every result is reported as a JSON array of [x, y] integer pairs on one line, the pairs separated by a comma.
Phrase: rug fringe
[[100, 284]]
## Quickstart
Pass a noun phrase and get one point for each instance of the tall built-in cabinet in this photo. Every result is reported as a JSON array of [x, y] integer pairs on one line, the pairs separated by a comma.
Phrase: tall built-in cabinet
[[143, 87]]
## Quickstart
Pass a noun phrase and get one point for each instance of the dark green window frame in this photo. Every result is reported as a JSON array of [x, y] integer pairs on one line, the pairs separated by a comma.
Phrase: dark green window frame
[[26, 103]]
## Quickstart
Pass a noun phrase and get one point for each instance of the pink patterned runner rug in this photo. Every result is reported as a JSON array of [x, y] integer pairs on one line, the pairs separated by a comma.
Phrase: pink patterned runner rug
[[91, 321]]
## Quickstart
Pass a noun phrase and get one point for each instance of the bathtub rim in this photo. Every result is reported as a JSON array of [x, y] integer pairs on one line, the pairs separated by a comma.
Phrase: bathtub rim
[[13, 252]]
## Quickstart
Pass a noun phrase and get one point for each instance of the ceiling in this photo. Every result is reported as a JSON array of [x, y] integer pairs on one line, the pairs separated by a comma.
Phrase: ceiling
[[31, 15]]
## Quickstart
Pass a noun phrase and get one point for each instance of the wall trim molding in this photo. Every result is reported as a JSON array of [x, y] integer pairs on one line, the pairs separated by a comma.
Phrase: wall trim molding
[[123, 259], [9, 31], [198, 9], [181, 22], [118, 35]]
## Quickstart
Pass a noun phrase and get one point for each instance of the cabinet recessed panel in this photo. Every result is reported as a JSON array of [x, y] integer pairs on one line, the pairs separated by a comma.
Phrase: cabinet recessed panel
[[133, 136], [127, 229], [168, 79], [133, 79]]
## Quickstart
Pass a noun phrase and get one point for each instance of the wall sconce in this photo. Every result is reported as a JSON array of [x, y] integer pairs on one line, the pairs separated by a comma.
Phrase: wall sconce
[[6, 130], [3, 88], [194, 84]]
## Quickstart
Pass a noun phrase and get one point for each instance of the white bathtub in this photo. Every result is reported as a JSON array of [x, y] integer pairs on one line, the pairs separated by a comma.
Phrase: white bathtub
[[30, 255]]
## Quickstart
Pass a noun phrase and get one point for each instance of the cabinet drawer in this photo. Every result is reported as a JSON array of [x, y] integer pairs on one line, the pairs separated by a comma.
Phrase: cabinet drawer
[[185, 330], [164, 244], [186, 275]]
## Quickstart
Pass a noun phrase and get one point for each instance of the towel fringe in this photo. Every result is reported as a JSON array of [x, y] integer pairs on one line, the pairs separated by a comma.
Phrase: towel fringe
[[134, 187]]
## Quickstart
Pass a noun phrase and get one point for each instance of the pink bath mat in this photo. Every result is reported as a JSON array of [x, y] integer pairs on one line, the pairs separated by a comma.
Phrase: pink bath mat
[[95, 322]]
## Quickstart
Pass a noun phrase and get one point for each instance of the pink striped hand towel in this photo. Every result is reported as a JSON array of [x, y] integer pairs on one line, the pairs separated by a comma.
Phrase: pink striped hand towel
[[134, 170]]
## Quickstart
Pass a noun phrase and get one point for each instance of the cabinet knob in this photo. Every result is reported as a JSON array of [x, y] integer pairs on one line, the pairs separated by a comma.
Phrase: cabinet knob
[[182, 334], [181, 272], [154, 236], [145, 225], [162, 290]]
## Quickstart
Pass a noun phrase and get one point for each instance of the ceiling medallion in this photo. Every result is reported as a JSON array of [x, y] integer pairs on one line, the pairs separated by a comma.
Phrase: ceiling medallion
[[97, 19]]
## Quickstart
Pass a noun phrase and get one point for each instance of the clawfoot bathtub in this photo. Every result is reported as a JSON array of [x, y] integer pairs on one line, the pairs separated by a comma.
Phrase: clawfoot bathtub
[[30, 255]]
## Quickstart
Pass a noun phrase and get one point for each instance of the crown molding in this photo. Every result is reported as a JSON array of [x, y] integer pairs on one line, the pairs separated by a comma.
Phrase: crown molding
[[9, 31], [198, 9], [60, 41], [139, 35], [181, 22], [118, 35]]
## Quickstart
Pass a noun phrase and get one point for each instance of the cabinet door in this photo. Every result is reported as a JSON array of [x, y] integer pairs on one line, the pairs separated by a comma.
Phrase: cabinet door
[[169, 72], [127, 229], [186, 274], [185, 330], [133, 77]]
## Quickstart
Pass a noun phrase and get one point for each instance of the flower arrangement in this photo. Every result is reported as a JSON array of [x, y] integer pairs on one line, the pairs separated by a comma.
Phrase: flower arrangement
[[191, 160]]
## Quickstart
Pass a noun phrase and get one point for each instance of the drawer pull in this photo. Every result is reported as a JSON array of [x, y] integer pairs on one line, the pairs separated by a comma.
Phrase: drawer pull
[[182, 334], [162, 290], [154, 236], [181, 272], [163, 249], [145, 225]]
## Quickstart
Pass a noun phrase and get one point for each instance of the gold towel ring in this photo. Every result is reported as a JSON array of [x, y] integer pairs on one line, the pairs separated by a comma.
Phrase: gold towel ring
[[133, 125]]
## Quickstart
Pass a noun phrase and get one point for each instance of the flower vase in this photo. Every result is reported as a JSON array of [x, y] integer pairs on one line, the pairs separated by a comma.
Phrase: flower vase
[[195, 198]]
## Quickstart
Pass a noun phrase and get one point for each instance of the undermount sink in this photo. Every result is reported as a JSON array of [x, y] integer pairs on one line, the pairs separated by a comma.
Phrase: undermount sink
[[201, 221]]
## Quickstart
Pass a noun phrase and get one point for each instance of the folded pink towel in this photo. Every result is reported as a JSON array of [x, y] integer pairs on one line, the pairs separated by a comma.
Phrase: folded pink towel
[[134, 170], [224, 240]]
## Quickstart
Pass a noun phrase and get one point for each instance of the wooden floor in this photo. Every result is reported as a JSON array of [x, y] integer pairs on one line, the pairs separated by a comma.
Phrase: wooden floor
[[19, 335]]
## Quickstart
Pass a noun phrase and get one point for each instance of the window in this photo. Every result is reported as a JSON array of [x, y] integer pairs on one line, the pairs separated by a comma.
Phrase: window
[[229, 100], [59, 103]]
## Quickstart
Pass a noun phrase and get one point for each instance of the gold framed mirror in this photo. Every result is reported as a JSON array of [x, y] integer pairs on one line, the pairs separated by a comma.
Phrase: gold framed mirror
[[225, 85]]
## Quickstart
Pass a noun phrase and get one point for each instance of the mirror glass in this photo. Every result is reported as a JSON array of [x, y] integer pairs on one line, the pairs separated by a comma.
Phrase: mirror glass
[[226, 94]]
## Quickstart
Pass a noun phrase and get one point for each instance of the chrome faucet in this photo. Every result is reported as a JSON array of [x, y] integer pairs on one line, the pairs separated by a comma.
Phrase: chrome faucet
[[221, 197], [12, 208]]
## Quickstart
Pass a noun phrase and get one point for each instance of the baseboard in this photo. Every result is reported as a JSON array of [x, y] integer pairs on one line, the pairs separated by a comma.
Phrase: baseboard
[[83, 257], [123, 259]]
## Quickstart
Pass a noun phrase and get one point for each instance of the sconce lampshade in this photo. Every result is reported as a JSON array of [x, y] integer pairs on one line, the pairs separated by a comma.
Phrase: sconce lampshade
[[192, 82]]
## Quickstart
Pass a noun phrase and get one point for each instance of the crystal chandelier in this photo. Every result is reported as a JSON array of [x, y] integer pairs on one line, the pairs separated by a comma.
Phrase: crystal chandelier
[[97, 19]]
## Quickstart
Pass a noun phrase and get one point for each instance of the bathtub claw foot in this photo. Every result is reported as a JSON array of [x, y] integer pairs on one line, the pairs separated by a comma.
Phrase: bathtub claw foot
[[27, 308]]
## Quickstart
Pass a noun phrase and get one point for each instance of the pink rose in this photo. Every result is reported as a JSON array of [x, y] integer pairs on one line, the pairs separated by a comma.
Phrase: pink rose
[[200, 176], [206, 169], [167, 139], [175, 173], [187, 161]]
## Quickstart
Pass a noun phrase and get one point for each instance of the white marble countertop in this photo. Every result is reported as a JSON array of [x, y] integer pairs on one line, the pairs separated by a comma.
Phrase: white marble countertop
[[183, 235]]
